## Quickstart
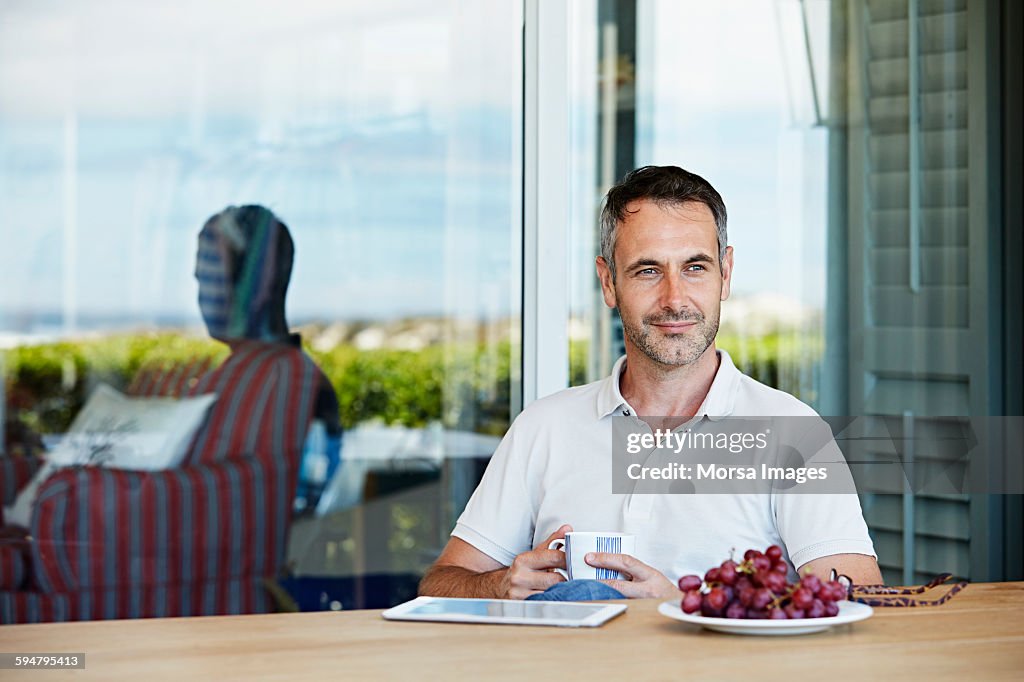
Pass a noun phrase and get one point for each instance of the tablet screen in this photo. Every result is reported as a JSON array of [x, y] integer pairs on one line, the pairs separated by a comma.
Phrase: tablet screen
[[505, 611]]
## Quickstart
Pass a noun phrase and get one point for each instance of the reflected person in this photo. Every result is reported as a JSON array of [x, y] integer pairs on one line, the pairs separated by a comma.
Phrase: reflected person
[[243, 267]]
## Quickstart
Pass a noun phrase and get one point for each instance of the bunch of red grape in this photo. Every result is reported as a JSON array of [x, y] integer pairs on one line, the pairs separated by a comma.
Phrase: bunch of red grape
[[757, 588]]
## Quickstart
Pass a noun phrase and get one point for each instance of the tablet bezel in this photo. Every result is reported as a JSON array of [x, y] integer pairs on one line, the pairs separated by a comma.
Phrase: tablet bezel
[[599, 617]]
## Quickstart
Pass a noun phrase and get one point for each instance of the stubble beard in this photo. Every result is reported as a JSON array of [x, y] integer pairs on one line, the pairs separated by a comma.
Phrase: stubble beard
[[673, 350]]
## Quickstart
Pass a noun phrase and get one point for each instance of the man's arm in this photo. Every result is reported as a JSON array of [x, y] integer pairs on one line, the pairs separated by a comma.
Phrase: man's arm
[[834, 518], [462, 570], [860, 568]]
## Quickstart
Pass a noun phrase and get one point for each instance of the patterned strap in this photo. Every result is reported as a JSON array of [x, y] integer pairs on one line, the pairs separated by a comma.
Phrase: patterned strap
[[884, 595]]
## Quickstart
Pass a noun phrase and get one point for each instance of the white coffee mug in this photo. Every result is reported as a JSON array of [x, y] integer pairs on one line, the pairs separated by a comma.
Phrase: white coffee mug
[[577, 545]]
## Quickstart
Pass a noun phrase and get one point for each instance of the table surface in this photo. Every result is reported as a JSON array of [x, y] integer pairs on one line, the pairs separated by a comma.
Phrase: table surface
[[979, 634]]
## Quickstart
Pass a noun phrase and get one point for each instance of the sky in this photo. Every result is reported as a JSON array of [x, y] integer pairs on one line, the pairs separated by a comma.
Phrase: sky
[[386, 135], [727, 95]]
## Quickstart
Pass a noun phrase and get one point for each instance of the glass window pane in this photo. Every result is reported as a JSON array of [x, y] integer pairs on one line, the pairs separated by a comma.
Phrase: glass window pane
[[838, 135], [386, 136]]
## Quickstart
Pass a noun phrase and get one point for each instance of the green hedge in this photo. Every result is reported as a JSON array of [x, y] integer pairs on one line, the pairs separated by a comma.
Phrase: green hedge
[[464, 386], [789, 361], [47, 384]]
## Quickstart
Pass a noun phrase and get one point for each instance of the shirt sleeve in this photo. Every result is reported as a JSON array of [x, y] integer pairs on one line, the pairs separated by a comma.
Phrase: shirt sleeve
[[816, 525], [498, 520]]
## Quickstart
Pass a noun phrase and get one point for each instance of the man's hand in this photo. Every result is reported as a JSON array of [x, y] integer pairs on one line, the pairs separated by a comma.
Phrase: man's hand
[[644, 582], [531, 572], [462, 570]]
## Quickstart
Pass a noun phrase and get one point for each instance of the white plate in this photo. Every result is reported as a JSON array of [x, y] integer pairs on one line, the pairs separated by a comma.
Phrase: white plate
[[849, 612]]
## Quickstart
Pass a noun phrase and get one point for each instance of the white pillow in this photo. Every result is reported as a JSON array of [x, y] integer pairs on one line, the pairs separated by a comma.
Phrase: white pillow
[[143, 434], [115, 431]]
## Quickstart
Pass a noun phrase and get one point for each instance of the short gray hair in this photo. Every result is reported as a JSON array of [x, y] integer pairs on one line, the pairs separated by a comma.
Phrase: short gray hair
[[666, 186]]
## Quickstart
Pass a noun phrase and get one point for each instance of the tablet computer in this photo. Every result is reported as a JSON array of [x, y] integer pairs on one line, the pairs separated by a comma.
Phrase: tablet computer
[[505, 612]]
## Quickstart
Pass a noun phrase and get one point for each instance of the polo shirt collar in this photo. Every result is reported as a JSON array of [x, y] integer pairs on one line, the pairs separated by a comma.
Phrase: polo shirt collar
[[609, 397], [719, 402]]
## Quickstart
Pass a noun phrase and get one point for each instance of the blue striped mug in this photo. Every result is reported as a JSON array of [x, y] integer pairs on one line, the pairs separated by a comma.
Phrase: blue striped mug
[[577, 545]]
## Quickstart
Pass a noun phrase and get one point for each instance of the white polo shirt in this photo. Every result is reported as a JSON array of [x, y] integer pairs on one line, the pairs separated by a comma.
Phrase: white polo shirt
[[554, 464]]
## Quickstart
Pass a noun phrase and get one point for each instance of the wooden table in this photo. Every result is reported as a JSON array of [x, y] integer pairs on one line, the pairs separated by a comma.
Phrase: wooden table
[[978, 635]]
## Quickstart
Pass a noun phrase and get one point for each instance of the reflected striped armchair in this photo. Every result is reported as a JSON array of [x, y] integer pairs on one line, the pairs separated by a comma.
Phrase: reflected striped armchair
[[202, 539]]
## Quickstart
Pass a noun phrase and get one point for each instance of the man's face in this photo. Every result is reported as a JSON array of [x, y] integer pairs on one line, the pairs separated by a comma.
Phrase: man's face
[[669, 282]]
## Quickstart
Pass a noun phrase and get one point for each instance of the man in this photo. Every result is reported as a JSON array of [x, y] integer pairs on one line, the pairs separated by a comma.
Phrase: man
[[666, 266]]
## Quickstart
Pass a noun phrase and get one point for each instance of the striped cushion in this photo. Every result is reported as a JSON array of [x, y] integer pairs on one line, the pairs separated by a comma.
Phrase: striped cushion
[[220, 520], [228, 597], [15, 472], [167, 379], [12, 566], [265, 405], [97, 527]]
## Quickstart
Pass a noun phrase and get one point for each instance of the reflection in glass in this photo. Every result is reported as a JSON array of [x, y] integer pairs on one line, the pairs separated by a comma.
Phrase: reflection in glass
[[386, 136], [838, 135]]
